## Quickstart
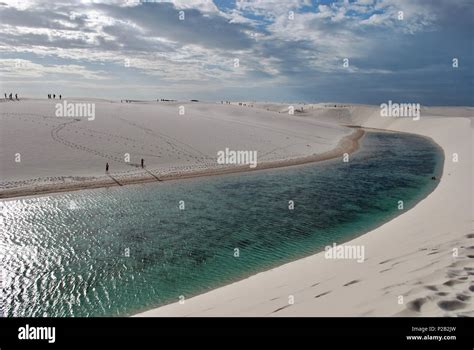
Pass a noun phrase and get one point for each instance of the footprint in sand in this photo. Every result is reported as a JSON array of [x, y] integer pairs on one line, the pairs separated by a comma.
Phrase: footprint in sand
[[322, 294], [451, 305], [415, 305], [451, 283], [351, 282], [280, 308], [462, 297]]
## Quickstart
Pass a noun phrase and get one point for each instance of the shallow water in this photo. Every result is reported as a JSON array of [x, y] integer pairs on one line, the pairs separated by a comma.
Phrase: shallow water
[[117, 251]]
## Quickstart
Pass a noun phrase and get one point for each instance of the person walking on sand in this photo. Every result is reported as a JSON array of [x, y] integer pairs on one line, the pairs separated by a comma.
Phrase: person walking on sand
[[16, 97], [54, 96], [5, 95], [107, 167], [143, 163], [10, 96], [60, 96]]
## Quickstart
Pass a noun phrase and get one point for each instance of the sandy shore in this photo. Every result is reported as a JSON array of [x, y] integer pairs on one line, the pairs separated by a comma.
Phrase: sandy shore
[[348, 144], [420, 263], [59, 154]]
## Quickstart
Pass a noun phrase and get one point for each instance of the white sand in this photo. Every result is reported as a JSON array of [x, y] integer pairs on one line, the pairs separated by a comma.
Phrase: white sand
[[73, 151], [410, 256]]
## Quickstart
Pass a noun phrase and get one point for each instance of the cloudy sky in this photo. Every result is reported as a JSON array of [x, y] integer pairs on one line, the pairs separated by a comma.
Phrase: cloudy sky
[[278, 50]]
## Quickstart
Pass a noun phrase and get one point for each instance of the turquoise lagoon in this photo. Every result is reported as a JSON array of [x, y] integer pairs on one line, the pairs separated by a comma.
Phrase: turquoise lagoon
[[117, 251]]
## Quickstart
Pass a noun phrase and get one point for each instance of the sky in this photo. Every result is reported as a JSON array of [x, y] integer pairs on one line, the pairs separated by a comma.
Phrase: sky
[[361, 51]]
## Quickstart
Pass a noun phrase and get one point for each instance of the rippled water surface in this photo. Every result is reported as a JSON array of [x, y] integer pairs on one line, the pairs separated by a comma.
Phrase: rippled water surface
[[118, 251]]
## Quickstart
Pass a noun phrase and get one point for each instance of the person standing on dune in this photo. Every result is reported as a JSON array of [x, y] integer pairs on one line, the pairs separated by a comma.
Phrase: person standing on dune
[[143, 163], [107, 167]]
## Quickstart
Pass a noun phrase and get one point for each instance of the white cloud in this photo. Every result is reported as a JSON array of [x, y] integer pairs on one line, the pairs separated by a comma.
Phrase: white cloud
[[20, 68]]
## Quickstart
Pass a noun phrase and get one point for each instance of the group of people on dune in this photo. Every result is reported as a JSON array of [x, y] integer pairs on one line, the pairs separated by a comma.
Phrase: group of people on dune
[[10, 97]]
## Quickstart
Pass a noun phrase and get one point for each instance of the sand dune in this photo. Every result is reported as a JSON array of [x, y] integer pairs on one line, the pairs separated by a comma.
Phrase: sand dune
[[65, 153]]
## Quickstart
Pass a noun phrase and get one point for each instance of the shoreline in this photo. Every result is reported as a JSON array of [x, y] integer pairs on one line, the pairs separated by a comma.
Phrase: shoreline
[[419, 233], [347, 144], [351, 238]]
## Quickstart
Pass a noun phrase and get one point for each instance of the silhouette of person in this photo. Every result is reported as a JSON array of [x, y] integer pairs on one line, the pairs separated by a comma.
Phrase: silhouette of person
[[143, 163], [54, 95], [16, 96], [5, 95], [10, 96], [107, 167], [60, 96]]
